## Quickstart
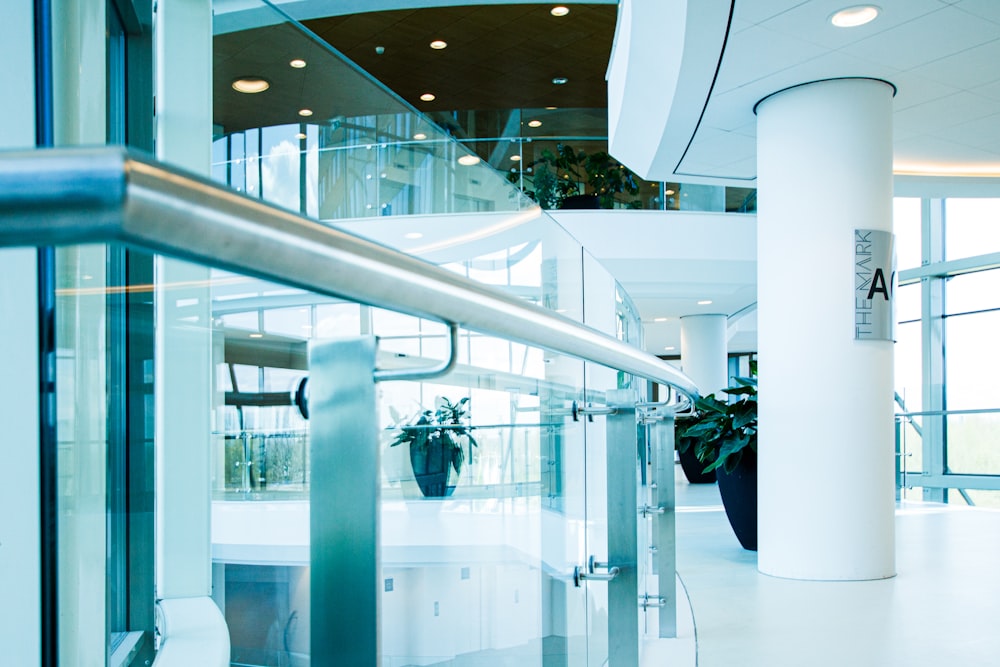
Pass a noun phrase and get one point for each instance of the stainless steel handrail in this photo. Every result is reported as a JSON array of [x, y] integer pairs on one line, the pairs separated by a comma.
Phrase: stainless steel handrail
[[111, 195]]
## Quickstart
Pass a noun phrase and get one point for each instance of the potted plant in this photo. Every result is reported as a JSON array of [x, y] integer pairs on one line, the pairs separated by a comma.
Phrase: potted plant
[[694, 469], [571, 178], [724, 437], [436, 439]]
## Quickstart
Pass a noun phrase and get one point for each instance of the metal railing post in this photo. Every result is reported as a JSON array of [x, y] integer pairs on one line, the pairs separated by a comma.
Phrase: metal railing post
[[661, 440], [344, 504], [623, 590]]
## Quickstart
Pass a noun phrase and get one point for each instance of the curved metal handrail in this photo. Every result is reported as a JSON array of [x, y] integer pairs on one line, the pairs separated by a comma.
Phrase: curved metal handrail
[[111, 195]]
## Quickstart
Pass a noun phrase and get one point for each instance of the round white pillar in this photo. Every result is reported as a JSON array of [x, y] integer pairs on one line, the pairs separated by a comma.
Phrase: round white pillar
[[704, 350], [826, 488]]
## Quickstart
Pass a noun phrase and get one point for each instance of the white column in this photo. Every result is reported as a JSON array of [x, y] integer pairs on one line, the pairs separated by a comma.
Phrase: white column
[[704, 350], [826, 486]]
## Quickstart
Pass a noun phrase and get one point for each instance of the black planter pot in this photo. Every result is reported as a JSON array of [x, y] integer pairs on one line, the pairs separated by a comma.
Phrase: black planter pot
[[693, 468], [432, 468], [739, 496], [580, 201]]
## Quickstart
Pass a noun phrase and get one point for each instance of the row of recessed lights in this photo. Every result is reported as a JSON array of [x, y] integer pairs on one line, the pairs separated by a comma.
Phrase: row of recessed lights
[[258, 84], [440, 44], [251, 85]]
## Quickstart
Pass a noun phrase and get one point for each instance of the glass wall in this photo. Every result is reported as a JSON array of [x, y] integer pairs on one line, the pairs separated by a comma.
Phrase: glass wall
[[948, 310]]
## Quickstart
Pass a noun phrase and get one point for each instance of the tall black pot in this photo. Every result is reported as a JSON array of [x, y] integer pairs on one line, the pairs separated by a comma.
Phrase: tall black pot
[[432, 468], [739, 496], [693, 468], [580, 202]]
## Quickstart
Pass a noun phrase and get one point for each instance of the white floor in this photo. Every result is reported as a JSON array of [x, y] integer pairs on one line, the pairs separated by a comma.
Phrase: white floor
[[942, 608]]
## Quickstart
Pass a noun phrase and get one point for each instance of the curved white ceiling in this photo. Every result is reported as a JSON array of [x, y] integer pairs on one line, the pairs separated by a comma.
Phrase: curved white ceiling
[[943, 56]]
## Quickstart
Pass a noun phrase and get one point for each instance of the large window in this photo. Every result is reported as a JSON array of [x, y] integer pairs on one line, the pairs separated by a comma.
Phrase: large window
[[948, 310]]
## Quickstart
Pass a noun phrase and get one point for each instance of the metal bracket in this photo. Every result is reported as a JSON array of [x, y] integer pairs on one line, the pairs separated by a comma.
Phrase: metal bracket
[[647, 601], [650, 413], [647, 511], [590, 411]]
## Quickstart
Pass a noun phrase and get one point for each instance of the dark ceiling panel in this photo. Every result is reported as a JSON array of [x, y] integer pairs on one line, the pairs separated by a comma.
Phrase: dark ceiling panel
[[499, 57]]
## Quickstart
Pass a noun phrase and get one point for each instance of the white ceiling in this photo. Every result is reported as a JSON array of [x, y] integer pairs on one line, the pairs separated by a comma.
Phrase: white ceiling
[[943, 56], [719, 58]]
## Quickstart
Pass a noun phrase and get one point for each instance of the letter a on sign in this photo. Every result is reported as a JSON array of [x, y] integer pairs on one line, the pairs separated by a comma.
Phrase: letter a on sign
[[878, 285]]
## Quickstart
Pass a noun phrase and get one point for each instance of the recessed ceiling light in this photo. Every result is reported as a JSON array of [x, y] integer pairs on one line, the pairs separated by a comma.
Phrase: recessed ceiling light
[[427, 97], [468, 160], [669, 347], [659, 319], [559, 10], [305, 112], [256, 335], [515, 158], [705, 302], [419, 136], [413, 235], [300, 135], [560, 80], [551, 108], [439, 44], [669, 192], [851, 17], [534, 123], [251, 85], [297, 63]]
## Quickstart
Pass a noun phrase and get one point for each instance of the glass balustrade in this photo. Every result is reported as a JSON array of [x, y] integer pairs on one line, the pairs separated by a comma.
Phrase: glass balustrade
[[541, 520], [328, 140]]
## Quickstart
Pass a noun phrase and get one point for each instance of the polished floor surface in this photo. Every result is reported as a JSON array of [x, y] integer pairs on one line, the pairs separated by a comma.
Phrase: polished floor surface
[[942, 608]]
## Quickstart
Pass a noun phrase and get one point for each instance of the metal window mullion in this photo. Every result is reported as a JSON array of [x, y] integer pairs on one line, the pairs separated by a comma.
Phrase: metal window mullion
[[933, 346]]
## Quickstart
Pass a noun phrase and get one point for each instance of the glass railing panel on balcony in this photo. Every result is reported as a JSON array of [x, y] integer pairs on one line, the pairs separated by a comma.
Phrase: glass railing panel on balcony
[[476, 567], [326, 139]]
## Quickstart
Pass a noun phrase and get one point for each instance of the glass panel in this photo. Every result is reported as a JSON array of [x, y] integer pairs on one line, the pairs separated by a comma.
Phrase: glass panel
[[906, 225], [970, 370], [972, 444], [972, 227], [479, 572], [972, 292], [342, 146], [908, 303], [484, 571], [81, 402]]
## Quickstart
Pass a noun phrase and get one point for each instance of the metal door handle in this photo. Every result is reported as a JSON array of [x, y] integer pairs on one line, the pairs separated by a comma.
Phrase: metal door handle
[[581, 574]]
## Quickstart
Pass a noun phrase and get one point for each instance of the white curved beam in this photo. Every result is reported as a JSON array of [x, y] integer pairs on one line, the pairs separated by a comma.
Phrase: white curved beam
[[662, 69]]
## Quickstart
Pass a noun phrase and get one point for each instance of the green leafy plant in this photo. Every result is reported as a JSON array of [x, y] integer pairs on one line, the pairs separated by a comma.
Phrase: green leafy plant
[[720, 431], [569, 172], [446, 426]]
